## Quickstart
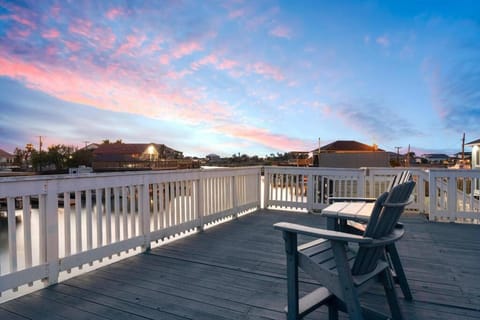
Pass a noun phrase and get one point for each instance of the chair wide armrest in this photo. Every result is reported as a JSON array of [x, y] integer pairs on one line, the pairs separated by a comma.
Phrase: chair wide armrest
[[321, 233]]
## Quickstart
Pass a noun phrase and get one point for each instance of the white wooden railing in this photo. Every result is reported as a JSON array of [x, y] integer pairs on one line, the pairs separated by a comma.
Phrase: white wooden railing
[[310, 188], [70, 222], [101, 215], [454, 195]]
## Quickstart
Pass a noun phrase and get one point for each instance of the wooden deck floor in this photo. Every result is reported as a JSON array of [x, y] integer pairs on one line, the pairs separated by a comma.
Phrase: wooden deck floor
[[237, 271]]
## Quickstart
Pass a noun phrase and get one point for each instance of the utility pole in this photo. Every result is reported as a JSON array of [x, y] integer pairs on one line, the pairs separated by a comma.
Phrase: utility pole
[[40, 143], [398, 154], [86, 143], [40, 152], [407, 164]]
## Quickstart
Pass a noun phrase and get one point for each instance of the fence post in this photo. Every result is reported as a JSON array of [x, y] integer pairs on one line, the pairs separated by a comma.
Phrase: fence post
[[50, 242], [310, 193], [145, 216], [266, 187], [234, 197], [432, 195], [362, 183], [452, 197], [200, 203]]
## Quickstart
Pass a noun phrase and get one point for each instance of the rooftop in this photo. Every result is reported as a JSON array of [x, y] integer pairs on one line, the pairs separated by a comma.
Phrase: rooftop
[[236, 270]]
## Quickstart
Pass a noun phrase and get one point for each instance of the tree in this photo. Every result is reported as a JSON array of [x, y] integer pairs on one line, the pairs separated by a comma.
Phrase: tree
[[59, 155], [81, 157], [39, 159], [20, 157]]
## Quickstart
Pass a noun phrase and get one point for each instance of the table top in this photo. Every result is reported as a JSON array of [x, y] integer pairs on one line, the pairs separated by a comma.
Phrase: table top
[[349, 210]]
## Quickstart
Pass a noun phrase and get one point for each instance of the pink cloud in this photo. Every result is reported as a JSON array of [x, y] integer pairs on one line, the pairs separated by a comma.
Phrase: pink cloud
[[281, 32], [113, 13], [81, 27], [104, 38], [263, 136], [23, 20], [185, 49], [210, 59], [72, 46], [227, 64], [55, 10], [236, 13], [268, 71], [132, 44], [16, 33], [164, 59], [51, 34], [174, 75]]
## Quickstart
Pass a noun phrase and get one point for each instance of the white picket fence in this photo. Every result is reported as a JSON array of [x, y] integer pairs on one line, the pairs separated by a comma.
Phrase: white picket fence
[[79, 220], [107, 214]]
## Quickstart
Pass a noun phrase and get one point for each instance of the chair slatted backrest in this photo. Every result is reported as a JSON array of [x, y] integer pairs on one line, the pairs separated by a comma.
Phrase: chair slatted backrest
[[382, 223], [401, 177]]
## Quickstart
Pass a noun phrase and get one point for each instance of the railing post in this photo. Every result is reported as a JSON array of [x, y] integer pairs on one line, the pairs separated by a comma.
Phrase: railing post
[[310, 193], [200, 203], [145, 216], [452, 197], [362, 183], [51, 232], [432, 195], [259, 188], [266, 187], [234, 197]]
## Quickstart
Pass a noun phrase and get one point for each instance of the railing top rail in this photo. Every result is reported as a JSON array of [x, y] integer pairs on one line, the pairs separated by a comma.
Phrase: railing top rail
[[331, 171]]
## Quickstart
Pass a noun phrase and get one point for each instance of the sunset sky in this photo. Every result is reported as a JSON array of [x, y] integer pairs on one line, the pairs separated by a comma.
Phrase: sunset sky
[[253, 77]]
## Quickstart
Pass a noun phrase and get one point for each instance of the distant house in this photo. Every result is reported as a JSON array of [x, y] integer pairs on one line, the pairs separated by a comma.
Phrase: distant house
[[350, 154], [122, 156], [212, 157], [475, 157], [91, 146], [436, 158], [6, 159]]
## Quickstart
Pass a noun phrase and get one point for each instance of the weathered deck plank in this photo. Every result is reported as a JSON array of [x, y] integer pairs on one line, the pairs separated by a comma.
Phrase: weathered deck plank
[[237, 271]]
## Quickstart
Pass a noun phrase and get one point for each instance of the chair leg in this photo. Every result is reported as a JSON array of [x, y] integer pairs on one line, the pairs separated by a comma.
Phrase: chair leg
[[397, 266], [350, 295], [292, 274], [389, 286]]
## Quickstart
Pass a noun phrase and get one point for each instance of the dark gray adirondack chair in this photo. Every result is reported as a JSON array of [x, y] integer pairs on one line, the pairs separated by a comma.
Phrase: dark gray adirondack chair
[[342, 272], [356, 227]]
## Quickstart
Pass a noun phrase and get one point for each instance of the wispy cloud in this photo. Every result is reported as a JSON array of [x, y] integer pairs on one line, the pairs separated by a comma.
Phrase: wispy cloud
[[281, 32], [267, 70], [384, 41], [113, 13], [51, 34], [455, 94], [185, 49], [375, 120]]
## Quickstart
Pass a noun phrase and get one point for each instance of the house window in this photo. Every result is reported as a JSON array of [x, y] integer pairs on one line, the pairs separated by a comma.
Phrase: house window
[[477, 157]]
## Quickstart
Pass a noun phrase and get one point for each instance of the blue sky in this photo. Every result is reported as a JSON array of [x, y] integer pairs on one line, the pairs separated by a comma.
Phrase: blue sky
[[253, 77]]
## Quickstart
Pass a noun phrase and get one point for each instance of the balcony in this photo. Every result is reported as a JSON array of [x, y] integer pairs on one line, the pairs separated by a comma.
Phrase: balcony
[[234, 267]]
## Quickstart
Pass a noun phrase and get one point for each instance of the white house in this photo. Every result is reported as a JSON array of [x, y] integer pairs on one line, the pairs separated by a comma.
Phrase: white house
[[475, 162], [6, 159], [475, 153]]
